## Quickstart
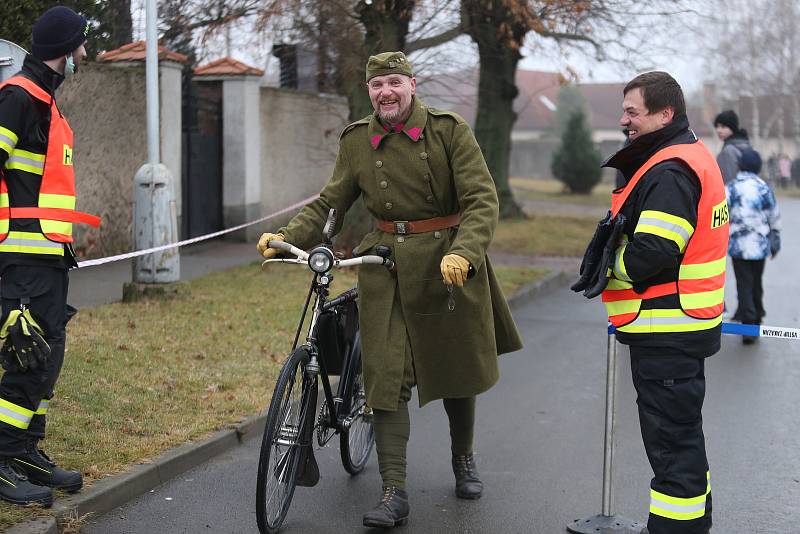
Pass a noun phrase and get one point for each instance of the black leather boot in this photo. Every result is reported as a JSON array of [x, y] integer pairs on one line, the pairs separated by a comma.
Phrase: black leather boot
[[40, 469], [17, 489], [391, 511], [468, 482]]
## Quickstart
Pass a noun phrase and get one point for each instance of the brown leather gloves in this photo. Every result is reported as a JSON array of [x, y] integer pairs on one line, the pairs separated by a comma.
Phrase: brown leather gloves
[[454, 269]]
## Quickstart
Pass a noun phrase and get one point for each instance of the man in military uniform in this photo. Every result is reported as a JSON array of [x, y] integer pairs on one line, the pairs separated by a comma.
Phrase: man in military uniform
[[423, 178]]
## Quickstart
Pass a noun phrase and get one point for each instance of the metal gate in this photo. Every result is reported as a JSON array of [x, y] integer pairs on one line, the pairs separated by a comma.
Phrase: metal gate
[[202, 157]]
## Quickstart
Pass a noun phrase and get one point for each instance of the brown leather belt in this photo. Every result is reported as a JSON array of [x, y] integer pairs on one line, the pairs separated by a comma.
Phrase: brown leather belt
[[419, 227]]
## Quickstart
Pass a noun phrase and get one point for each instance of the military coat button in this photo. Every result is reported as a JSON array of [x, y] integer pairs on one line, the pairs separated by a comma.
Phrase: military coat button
[[423, 155], [437, 234], [379, 164], [400, 239], [384, 184], [427, 177], [429, 198], [388, 205]]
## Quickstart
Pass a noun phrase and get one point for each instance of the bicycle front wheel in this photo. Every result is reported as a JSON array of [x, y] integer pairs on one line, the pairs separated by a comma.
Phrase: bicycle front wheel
[[281, 447], [355, 443]]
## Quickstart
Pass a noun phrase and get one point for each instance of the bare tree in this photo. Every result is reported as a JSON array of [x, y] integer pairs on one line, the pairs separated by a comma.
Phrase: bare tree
[[754, 60], [500, 29]]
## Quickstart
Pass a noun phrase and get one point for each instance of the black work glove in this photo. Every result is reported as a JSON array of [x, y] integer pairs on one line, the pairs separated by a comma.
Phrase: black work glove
[[593, 255], [607, 261], [24, 347]]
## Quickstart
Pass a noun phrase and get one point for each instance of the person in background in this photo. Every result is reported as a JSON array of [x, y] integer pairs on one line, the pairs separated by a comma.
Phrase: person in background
[[784, 170], [735, 139], [796, 172], [755, 235]]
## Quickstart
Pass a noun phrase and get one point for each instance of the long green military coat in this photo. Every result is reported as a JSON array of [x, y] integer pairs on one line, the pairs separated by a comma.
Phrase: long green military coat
[[433, 167]]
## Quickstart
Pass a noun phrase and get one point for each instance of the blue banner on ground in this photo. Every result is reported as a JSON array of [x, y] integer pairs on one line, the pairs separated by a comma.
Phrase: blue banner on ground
[[752, 330]]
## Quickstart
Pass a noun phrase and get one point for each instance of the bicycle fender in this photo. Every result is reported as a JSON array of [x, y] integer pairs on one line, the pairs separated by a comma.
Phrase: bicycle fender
[[309, 470]]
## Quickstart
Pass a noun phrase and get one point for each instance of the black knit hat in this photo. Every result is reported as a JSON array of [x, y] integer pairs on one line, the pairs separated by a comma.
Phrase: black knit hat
[[750, 161], [728, 118], [58, 32]]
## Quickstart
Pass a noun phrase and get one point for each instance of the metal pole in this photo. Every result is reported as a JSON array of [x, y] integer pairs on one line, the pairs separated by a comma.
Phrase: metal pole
[[151, 70], [606, 522], [608, 454], [154, 217]]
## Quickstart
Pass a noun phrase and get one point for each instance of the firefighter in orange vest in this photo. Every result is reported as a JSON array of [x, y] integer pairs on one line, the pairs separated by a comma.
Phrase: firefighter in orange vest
[[37, 212], [664, 287]]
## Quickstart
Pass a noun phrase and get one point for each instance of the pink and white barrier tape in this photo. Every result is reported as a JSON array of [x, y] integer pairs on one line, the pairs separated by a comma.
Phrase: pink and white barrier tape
[[137, 253]]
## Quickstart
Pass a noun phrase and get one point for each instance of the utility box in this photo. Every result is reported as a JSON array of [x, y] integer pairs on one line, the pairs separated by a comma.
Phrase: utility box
[[154, 225], [11, 58]]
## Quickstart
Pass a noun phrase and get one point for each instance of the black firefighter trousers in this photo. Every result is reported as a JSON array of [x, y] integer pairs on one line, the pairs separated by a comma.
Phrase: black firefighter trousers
[[670, 391], [24, 397]]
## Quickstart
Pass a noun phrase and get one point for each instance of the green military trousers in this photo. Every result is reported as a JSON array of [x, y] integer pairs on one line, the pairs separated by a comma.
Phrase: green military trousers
[[392, 428]]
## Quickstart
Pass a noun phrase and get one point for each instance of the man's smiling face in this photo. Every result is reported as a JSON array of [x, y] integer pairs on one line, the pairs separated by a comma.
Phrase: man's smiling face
[[637, 120], [391, 96]]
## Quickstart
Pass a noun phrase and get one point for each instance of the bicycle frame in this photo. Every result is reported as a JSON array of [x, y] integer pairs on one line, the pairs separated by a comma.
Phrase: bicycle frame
[[320, 286], [315, 368]]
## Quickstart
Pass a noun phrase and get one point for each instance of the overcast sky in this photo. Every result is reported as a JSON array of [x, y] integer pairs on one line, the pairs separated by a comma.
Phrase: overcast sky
[[683, 63]]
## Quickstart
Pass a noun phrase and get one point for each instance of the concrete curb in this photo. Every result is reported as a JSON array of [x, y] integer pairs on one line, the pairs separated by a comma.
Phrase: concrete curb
[[110, 492], [41, 525], [530, 291]]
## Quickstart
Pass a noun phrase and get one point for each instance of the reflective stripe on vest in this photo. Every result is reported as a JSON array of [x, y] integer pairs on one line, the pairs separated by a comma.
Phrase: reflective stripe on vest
[[15, 415], [8, 140], [30, 243], [55, 205], [701, 276], [26, 161], [678, 508]]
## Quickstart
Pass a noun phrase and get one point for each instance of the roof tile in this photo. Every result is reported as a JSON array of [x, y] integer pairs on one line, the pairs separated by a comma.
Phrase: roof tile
[[137, 52], [227, 66]]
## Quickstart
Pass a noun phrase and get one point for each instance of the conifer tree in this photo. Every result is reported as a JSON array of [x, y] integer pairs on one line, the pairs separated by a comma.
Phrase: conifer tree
[[576, 162]]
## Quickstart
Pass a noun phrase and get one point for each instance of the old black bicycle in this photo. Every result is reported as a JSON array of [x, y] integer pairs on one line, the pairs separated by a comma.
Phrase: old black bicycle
[[294, 420]]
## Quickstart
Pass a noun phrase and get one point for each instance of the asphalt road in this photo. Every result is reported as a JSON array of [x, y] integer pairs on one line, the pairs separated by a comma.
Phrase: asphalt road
[[539, 440]]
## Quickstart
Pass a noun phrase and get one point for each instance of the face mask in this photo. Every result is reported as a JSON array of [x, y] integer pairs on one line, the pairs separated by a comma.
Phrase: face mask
[[70, 68]]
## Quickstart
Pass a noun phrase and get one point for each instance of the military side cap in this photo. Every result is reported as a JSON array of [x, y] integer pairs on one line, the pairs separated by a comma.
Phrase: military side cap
[[388, 63]]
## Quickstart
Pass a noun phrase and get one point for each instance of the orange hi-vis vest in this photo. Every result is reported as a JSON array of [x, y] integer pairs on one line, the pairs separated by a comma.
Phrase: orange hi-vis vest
[[701, 277], [55, 203]]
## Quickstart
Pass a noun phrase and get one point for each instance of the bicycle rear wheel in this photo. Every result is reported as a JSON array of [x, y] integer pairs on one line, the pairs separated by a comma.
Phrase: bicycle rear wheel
[[281, 446], [356, 443]]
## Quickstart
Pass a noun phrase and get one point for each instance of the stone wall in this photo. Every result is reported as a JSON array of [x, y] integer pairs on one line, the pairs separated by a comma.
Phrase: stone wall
[[299, 141], [105, 107]]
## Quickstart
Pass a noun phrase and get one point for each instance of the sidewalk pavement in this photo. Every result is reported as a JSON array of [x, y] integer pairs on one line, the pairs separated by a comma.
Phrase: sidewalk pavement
[[102, 284]]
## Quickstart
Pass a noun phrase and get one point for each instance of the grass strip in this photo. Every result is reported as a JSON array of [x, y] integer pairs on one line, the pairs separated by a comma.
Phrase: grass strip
[[545, 235], [554, 191], [144, 377]]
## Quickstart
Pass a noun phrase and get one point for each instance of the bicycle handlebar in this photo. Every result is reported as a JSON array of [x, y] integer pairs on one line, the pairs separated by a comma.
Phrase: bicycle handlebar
[[302, 257], [288, 247]]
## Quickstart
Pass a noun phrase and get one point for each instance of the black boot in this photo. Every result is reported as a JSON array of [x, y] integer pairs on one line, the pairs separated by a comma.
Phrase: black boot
[[17, 489], [40, 469], [468, 482], [391, 511]]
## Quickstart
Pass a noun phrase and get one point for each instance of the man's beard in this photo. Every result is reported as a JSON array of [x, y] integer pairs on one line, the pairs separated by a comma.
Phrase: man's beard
[[390, 116]]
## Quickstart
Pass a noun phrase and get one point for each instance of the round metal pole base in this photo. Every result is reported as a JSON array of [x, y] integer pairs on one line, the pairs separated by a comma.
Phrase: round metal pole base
[[605, 524]]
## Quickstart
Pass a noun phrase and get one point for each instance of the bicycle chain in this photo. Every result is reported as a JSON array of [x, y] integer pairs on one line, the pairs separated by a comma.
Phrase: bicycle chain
[[324, 432]]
